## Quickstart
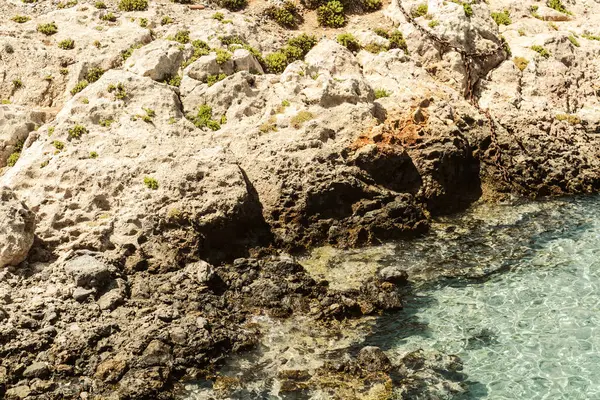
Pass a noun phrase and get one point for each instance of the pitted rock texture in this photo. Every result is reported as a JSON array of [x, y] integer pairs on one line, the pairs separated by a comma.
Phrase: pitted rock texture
[[16, 230]]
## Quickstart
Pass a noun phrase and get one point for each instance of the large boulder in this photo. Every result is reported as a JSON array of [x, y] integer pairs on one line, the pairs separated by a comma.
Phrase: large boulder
[[17, 228]]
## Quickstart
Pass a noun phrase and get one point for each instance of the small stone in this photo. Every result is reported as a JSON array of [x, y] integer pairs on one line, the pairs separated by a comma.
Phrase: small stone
[[18, 392], [111, 370], [88, 271], [157, 353], [81, 294], [201, 271], [36, 370], [17, 226], [393, 274], [373, 359]]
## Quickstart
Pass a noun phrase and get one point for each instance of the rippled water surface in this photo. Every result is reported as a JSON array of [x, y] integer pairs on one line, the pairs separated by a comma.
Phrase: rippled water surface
[[530, 333], [518, 300]]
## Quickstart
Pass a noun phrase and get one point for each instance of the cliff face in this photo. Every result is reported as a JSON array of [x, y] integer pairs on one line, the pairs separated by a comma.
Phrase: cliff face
[[150, 140]]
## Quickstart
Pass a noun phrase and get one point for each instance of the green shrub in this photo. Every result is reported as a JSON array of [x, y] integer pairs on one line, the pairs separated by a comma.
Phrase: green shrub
[[203, 118], [287, 15], [125, 54], [166, 20], [312, 4], [20, 19], [521, 63], [79, 87], [77, 131], [349, 41], [47, 29], [331, 14], [93, 74], [397, 41], [58, 145], [419, 11], [17, 84], [380, 93], [276, 62], [174, 80], [541, 51], [106, 122], [372, 5], [212, 79], [12, 159], [182, 37], [299, 119], [432, 24], [110, 17], [100, 5], [143, 22], [591, 37], [218, 16], [381, 32], [233, 5], [468, 9], [67, 44], [93, 154], [502, 18], [68, 4], [292, 53], [574, 41], [118, 90], [222, 56], [558, 6], [150, 183], [304, 42], [133, 5]]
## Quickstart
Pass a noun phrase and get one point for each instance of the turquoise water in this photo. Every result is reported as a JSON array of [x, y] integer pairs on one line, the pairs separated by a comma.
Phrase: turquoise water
[[532, 332]]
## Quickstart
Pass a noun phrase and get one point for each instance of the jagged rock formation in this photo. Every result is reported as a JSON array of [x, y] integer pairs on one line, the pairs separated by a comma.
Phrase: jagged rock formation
[[159, 143]]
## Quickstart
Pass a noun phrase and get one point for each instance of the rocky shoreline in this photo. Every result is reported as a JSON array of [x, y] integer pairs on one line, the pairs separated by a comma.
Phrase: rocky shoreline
[[157, 166]]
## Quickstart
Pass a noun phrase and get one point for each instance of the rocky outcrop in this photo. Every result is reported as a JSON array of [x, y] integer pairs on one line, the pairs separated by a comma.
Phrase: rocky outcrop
[[17, 228]]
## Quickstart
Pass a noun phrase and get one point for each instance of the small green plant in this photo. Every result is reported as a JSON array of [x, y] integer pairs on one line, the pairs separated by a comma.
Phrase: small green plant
[[570, 118], [107, 122], [287, 15], [5, 101], [349, 41], [299, 119], [93, 74], [331, 14], [47, 29], [268, 126], [502, 18], [118, 90], [97, 44], [233, 5], [212, 79], [79, 87], [381, 32], [468, 9], [304, 42], [14, 157], [380, 93], [553, 26], [150, 183], [17, 84], [77, 131], [541, 51], [521, 63], [133, 5], [276, 62], [203, 118], [93, 154], [558, 6], [64, 71], [371, 5], [521, 32], [125, 54], [100, 5], [591, 37], [51, 131], [68, 4], [574, 41], [222, 56], [20, 19], [143, 22], [182, 37], [218, 16], [85, 100], [110, 17], [58, 145], [433, 23], [174, 80], [285, 103], [166, 20], [67, 44], [397, 41], [419, 11]]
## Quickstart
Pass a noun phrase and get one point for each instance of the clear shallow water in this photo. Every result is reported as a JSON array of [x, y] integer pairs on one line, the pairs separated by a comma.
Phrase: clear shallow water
[[520, 306], [530, 333]]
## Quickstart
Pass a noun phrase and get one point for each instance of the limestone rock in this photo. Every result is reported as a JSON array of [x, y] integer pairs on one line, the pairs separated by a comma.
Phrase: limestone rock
[[17, 228], [88, 271], [373, 359], [158, 60]]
